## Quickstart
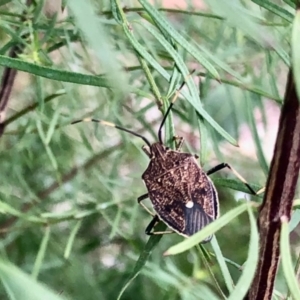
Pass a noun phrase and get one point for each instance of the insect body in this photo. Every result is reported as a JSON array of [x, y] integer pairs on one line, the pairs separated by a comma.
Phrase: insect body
[[182, 195]]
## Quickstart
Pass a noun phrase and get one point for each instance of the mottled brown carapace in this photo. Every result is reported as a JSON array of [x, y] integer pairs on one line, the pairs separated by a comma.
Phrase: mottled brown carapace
[[182, 195]]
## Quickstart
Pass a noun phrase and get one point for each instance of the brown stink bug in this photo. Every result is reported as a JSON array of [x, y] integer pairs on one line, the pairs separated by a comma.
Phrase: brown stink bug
[[182, 195]]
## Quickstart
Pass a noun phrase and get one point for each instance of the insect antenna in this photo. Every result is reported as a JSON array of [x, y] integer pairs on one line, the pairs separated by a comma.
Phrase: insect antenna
[[167, 113], [113, 125]]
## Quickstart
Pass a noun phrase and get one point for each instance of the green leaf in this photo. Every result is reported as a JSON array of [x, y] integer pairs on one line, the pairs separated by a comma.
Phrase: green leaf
[[157, 17], [7, 209], [236, 185], [209, 267], [41, 254], [144, 53], [275, 9], [238, 16], [296, 203], [54, 74], [249, 269], [222, 264], [286, 258], [144, 256], [295, 220], [258, 144], [52, 127], [71, 239], [3, 2], [204, 150], [179, 63], [20, 285], [296, 51], [291, 3], [244, 86], [206, 231]]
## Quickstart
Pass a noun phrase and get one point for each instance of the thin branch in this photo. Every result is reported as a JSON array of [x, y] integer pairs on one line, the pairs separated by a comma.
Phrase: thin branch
[[280, 191], [6, 85], [8, 78]]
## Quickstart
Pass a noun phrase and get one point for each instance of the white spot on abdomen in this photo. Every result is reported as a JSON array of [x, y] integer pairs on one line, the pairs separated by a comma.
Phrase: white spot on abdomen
[[189, 204]]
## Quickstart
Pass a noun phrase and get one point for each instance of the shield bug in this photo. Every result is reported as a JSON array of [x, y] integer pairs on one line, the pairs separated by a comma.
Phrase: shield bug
[[182, 194]]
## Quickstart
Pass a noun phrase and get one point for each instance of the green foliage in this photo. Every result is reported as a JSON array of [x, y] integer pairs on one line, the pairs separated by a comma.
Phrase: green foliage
[[69, 215], [20, 286]]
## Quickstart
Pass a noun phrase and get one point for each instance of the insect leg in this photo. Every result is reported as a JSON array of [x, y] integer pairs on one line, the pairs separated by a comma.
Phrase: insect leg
[[178, 142], [146, 149], [224, 165], [140, 199], [152, 224], [155, 219]]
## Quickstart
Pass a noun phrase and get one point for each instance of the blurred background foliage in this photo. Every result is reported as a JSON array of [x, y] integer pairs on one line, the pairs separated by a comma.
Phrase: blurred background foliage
[[69, 214]]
